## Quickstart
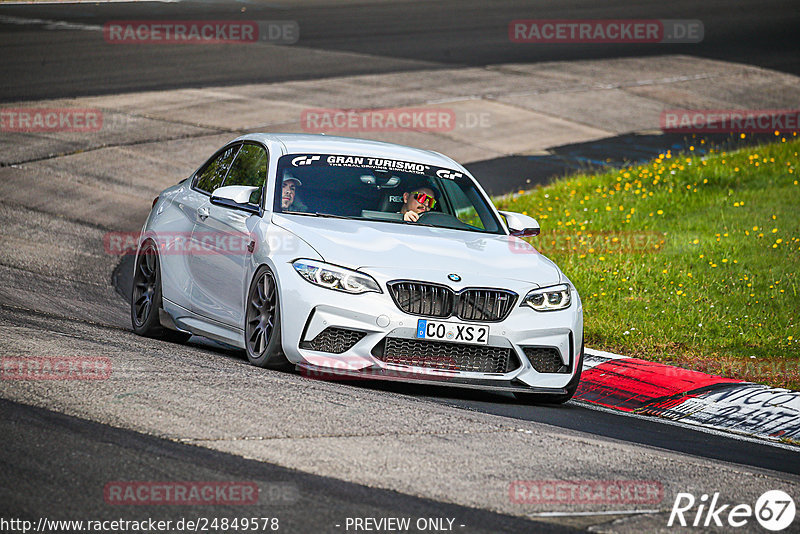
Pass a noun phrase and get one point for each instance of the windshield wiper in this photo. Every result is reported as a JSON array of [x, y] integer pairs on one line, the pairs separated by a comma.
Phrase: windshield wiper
[[330, 215], [316, 214]]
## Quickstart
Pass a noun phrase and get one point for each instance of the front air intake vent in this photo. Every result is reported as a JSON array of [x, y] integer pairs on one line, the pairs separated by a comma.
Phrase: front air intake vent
[[334, 340]]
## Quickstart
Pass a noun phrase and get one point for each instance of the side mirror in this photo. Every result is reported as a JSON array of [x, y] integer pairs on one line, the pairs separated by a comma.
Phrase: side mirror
[[520, 225], [237, 197]]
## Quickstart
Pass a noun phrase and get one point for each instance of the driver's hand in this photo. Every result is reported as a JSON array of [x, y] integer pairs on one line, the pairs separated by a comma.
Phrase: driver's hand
[[411, 216]]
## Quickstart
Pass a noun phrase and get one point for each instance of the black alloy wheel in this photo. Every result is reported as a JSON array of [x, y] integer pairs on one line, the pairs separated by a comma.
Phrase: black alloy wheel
[[262, 322], [146, 297]]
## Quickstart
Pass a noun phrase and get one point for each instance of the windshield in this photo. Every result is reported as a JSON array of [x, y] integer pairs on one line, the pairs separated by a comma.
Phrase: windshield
[[378, 189]]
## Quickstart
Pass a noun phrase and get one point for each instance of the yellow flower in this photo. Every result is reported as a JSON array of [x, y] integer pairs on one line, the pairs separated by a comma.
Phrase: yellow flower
[[660, 212]]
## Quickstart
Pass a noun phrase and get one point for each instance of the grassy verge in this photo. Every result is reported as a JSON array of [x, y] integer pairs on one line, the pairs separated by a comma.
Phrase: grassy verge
[[687, 260]]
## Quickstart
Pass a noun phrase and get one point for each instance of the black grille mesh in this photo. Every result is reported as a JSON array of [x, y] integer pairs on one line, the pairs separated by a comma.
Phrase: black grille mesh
[[423, 299], [431, 300], [334, 340], [484, 304], [451, 356], [545, 360]]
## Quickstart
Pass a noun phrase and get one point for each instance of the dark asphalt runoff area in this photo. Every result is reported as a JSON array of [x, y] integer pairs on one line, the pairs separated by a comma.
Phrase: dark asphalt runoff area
[[40, 62], [57, 467]]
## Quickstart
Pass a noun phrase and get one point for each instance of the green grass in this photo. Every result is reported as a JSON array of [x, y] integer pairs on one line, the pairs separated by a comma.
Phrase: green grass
[[687, 260]]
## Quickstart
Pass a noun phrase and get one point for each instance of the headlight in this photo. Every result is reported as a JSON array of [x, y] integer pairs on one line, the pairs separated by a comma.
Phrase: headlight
[[548, 298], [337, 278]]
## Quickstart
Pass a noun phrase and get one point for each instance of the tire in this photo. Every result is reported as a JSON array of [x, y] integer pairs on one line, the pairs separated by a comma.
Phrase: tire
[[262, 324], [146, 297], [543, 398]]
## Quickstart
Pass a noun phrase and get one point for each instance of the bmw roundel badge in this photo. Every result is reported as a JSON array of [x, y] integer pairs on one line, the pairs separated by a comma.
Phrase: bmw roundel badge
[[454, 277]]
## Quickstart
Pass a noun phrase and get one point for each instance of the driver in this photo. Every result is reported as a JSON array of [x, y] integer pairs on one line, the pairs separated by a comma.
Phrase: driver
[[417, 202], [288, 191]]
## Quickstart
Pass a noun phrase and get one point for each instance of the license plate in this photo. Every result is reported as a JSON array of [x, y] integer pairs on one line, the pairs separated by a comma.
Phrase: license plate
[[452, 332]]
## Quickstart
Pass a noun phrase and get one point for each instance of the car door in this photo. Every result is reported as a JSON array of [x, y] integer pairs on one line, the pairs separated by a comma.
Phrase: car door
[[219, 271], [175, 249]]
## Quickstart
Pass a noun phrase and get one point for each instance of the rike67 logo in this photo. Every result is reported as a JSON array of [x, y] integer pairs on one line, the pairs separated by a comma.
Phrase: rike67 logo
[[774, 510]]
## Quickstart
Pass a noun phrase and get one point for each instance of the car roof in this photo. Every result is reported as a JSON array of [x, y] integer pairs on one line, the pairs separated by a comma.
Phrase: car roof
[[331, 144]]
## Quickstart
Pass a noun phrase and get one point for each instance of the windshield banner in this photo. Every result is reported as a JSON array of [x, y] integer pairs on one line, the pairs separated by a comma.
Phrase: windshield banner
[[380, 164]]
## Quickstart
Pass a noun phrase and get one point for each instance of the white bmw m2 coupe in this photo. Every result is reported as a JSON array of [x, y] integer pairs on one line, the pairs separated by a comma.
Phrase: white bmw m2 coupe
[[347, 258]]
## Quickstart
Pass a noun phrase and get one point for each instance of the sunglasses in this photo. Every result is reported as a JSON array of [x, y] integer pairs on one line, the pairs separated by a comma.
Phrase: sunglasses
[[425, 199]]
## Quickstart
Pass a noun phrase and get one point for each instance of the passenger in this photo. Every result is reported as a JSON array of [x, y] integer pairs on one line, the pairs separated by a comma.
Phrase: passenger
[[417, 202]]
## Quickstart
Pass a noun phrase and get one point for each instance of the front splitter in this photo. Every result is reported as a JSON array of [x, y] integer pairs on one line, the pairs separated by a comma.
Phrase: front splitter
[[393, 375]]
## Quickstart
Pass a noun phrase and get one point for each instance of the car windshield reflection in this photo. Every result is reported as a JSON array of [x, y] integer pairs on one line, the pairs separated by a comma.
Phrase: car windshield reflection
[[393, 191]]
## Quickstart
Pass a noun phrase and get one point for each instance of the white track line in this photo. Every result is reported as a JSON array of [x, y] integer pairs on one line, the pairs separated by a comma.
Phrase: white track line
[[48, 23], [582, 514], [728, 434], [68, 2]]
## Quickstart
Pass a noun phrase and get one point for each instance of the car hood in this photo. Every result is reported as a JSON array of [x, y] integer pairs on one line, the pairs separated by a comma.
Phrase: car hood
[[410, 251]]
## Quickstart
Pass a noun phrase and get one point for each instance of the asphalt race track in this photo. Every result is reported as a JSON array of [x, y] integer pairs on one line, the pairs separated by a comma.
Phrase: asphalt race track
[[319, 452], [340, 39]]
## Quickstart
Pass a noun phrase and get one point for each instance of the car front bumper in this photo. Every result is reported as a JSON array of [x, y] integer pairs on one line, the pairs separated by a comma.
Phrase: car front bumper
[[375, 317]]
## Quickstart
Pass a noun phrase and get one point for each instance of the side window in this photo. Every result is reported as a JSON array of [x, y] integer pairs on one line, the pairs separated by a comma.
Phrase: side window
[[211, 177], [249, 168], [462, 206]]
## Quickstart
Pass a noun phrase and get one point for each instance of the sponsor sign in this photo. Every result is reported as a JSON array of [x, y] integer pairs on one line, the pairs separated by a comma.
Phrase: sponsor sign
[[380, 164]]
